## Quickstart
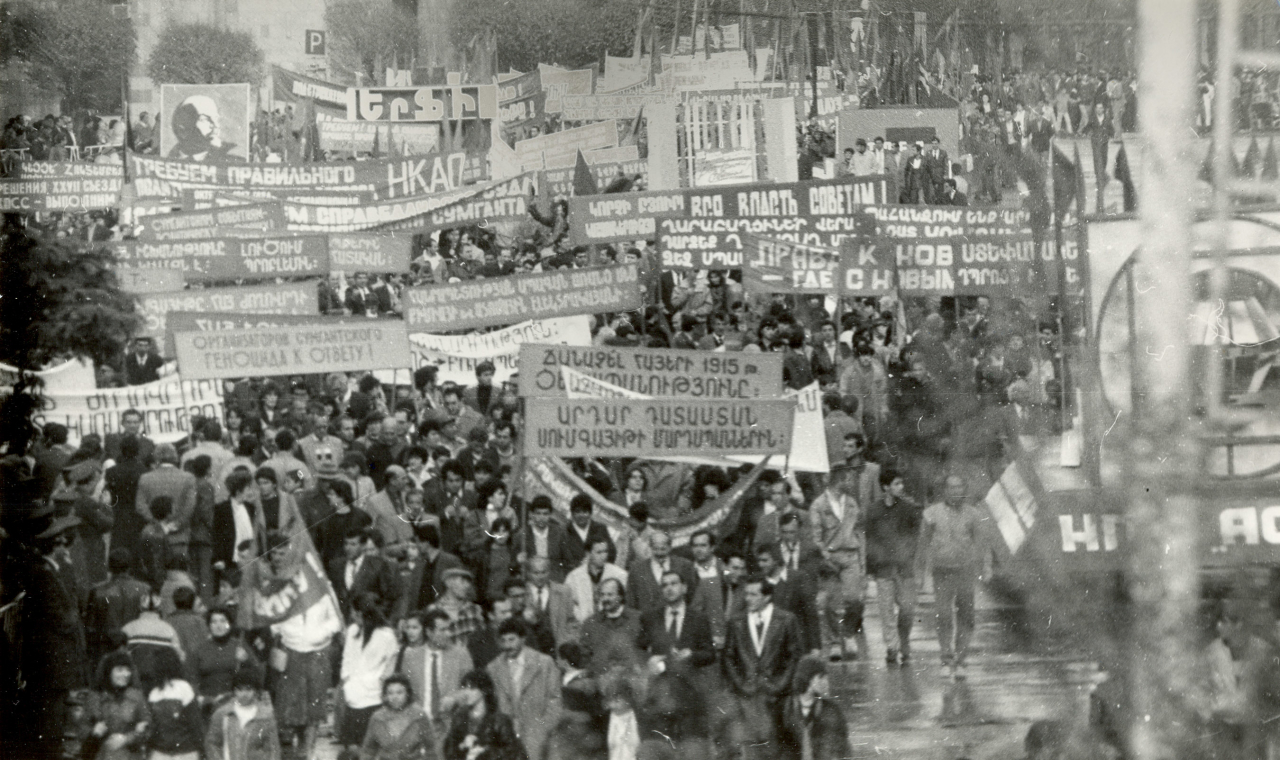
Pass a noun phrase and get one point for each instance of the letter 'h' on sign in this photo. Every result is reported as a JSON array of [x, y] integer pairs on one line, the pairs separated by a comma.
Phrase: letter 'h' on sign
[[1087, 536]]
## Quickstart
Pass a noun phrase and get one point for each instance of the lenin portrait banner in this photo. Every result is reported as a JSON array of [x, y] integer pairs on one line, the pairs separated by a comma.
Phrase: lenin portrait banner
[[205, 122]]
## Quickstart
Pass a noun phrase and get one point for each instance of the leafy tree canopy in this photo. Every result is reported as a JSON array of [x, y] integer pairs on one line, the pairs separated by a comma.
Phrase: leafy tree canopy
[[59, 299], [205, 54], [81, 49], [368, 36]]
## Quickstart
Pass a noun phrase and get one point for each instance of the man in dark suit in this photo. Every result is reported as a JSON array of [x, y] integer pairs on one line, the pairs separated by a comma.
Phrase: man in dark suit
[[794, 592], [644, 577], [448, 497], [828, 355], [144, 364], [51, 456], [543, 537], [122, 482], [552, 602], [678, 633], [810, 719], [582, 531], [951, 195], [113, 603], [130, 427], [936, 166], [761, 653], [360, 300], [54, 663], [425, 581], [361, 569]]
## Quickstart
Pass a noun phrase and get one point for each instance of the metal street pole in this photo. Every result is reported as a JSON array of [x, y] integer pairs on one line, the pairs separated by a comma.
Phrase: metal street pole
[[1163, 455]]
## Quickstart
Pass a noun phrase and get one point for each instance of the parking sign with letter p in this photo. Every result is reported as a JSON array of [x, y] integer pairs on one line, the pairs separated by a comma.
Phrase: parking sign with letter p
[[315, 41]]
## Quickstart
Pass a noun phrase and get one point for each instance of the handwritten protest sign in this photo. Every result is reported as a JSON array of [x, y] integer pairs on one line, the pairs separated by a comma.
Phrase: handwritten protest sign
[[229, 259], [167, 406], [653, 371], [656, 427], [293, 350], [370, 253], [284, 298], [456, 356], [505, 300]]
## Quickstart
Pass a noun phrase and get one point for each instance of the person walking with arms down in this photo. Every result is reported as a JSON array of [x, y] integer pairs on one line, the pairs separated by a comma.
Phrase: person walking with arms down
[[954, 542]]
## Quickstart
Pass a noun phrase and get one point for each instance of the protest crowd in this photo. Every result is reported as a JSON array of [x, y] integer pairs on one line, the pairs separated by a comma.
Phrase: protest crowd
[[394, 559]]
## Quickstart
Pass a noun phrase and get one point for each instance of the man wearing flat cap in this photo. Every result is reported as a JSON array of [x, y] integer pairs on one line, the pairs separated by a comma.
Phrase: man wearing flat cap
[[58, 665], [465, 616]]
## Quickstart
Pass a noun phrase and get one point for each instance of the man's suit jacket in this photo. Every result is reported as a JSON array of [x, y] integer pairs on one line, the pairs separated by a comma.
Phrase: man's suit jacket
[[375, 575], [556, 550], [415, 596], [769, 673], [455, 662], [797, 594], [828, 731], [53, 609], [575, 549], [578, 581], [695, 635], [222, 532], [644, 592], [711, 597], [534, 703], [146, 372], [559, 612], [168, 480], [825, 370], [111, 445]]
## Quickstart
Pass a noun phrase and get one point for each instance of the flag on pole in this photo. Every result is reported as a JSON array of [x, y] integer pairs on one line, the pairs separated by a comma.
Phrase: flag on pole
[[584, 182]]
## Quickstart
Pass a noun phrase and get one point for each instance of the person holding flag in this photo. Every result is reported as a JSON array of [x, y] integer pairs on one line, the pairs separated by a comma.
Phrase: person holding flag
[[288, 591]]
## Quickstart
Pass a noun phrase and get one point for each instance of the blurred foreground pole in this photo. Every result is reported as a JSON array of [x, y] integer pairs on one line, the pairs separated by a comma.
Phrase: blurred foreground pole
[[1162, 453]]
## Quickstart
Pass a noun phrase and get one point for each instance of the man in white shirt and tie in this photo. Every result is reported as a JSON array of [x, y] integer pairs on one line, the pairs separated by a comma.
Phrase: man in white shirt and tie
[[677, 636], [760, 657]]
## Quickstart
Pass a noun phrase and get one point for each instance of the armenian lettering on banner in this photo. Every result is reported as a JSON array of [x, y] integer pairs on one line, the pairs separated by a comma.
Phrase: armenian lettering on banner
[[456, 356], [379, 254], [780, 266], [662, 372], [201, 198], [386, 179], [433, 103], [617, 427], [967, 266], [868, 267], [294, 350], [521, 101], [558, 82], [282, 298], [138, 280], [406, 138], [505, 300], [808, 442], [603, 107], [558, 150], [69, 194], [558, 183], [703, 228], [167, 406], [189, 225], [225, 259]]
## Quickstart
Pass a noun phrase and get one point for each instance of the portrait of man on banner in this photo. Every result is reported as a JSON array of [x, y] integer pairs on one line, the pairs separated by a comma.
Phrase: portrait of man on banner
[[205, 122]]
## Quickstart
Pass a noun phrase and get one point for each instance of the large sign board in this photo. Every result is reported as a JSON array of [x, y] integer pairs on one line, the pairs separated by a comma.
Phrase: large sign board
[[506, 300], [437, 103], [225, 259], [205, 122], [70, 193], [370, 253], [294, 350], [660, 372], [617, 427], [283, 298]]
